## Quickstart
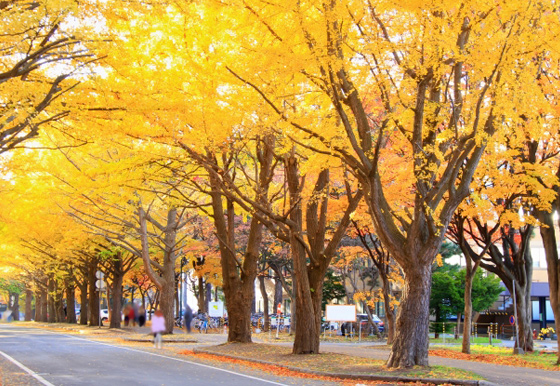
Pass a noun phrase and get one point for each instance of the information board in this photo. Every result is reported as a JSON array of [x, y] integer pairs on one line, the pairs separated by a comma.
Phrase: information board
[[341, 313], [216, 309]]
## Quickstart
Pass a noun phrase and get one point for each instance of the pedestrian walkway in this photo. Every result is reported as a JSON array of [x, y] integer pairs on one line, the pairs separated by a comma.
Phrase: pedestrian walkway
[[498, 374], [494, 373]]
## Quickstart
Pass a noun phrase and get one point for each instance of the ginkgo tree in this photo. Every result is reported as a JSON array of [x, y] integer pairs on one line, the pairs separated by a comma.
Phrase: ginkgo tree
[[449, 76], [42, 59]]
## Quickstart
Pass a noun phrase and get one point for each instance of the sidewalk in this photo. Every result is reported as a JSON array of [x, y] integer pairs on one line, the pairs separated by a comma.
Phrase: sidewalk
[[494, 373]]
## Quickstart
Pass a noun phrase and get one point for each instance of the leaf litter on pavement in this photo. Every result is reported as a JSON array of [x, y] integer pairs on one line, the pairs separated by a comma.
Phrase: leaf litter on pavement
[[329, 363]]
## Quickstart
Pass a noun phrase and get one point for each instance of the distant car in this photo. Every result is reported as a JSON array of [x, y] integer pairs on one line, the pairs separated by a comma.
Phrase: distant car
[[364, 320], [104, 313]]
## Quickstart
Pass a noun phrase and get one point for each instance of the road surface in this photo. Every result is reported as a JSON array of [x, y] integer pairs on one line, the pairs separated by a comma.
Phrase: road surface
[[30, 356]]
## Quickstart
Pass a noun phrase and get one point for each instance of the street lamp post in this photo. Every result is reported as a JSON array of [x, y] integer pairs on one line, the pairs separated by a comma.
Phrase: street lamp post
[[181, 292]]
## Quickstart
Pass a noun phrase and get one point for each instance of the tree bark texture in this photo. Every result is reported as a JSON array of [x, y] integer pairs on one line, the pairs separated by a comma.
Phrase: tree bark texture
[[550, 243], [116, 306], [50, 300], [93, 298], [389, 310], [84, 302], [467, 325], [266, 312], [410, 347], [70, 302], [165, 281], [28, 305], [14, 304]]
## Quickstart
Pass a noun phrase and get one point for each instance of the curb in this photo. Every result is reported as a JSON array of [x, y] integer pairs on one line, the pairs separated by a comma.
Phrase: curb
[[148, 340], [364, 377]]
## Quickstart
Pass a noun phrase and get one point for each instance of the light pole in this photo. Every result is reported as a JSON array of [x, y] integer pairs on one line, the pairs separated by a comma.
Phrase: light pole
[[181, 292]]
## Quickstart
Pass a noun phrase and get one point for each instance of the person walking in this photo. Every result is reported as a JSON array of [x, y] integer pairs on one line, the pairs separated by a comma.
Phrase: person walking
[[141, 316], [158, 327], [188, 318]]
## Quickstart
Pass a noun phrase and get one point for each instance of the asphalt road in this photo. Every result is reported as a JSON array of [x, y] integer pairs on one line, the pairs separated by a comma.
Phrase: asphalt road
[[31, 356]]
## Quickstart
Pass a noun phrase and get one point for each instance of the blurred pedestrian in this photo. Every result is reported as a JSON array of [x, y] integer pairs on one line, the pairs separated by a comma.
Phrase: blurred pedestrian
[[158, 327], [125, 313], [131, 316], [188, 318], [141, 316], [136, 312]]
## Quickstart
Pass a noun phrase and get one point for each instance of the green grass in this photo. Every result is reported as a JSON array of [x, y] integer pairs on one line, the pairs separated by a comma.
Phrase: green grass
[[479, 340], [547, 360]]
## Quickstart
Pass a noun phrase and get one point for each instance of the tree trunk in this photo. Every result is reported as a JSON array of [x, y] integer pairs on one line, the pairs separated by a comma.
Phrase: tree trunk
[[50, 301], [167, 293], [70, 302], [28, 305], [14, 305], [524, 318], [553, 262], [201, 298], [59, 305], [277, 291], [410, 347], [468, 312], [93, 299], [389, 310], [116, 306], [41, 306], [266, 312], [38, 306], [84, 303], [306, 340]]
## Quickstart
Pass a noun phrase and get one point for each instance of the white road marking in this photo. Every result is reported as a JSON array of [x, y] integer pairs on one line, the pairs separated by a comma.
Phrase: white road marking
[[161, 356], [179, 360], [27, 370]]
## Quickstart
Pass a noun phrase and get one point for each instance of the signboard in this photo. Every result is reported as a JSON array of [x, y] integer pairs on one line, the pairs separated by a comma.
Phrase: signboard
[[341, 313], [512, 320], [100, 285], [279, 309], [216, 309]]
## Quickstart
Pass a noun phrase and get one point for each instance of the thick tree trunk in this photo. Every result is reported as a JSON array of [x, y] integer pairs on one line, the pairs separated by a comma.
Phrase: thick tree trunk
[[410, 347], [524, 319], [14, 305], [239, 316], [277, 291], [59, 305], [116, 306], [41, 305], [84, 303], [553, 263], [389, 310], [167, 293], [306, 340], [50, 301], [201, 298], [93, 299], [266, 312], [208, 295], [467, 325], [70, 303], [28, 305], [38, 310]]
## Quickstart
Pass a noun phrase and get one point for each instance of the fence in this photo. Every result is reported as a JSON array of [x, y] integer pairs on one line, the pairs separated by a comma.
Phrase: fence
[[450, 333]]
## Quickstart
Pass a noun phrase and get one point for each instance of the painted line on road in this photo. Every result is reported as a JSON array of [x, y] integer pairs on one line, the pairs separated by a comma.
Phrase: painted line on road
[[27, 370], [172, 358]]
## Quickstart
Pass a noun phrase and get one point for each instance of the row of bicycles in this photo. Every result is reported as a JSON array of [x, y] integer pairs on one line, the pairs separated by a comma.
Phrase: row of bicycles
[[203, 322]]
